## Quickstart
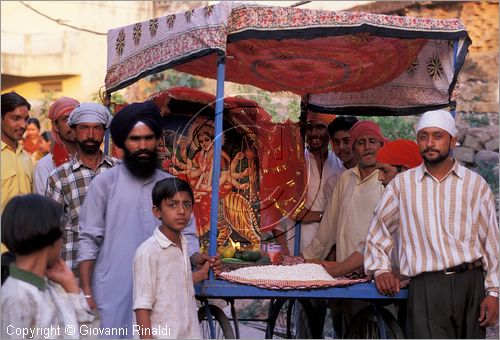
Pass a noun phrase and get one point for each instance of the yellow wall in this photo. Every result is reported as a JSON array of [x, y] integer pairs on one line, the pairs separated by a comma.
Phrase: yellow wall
[[33, 89]]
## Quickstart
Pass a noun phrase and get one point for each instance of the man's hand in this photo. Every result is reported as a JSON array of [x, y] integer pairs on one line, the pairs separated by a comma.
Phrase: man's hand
[[214, 261], [333, 268], [387, 283], [488, 311], [287, 260]]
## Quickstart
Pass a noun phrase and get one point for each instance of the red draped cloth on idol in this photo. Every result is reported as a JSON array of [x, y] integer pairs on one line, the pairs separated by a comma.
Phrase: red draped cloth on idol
[[262, 163]]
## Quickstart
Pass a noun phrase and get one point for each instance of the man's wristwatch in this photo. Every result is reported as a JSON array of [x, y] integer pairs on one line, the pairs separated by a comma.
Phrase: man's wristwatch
[[492, 293]]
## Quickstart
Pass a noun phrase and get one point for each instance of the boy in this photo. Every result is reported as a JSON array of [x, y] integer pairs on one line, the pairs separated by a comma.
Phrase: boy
[[41, 297], [164, 302]]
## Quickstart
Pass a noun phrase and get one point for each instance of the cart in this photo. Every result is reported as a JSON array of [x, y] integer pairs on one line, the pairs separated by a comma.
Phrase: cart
[[338, 62]]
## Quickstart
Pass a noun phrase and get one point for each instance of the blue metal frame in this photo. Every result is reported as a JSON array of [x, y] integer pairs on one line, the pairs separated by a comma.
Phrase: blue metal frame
[[219, 113], [296, 241], [221, 288]]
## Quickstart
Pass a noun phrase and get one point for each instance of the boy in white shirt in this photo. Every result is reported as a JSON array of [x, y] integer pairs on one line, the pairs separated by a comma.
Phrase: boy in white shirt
[[164, 302], [40, 298]]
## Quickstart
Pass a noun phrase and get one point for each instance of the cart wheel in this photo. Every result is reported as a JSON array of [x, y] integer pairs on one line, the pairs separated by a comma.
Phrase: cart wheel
[[223, 329], [286, 317], [364, 325]]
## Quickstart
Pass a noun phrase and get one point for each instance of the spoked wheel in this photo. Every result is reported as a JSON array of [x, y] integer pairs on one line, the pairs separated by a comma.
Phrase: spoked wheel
[[366, 326], [286, 318], [222, 326]]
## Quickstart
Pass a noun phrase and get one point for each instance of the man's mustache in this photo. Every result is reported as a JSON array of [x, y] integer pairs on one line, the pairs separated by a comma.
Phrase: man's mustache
[[90, 141], [141, 153]]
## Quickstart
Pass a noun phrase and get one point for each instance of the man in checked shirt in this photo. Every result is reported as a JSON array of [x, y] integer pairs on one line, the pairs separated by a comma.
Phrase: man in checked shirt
[[68, 183], [444, 215]]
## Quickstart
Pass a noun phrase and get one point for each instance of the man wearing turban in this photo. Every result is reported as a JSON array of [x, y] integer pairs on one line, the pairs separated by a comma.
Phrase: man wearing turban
[[347, 217], [68, 183], [444, 218], [395, 157], [323, 171], [117, 217], [64, 141]]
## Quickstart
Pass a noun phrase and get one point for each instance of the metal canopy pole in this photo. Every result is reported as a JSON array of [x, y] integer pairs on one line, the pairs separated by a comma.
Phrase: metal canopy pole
[[455, 52], [219, 110]]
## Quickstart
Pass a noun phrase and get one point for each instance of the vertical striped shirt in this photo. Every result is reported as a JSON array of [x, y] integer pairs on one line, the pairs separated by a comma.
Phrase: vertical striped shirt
[[439, 224]]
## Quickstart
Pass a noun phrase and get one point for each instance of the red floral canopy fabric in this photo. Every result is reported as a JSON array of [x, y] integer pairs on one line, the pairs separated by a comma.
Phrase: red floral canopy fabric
[[336, 60]]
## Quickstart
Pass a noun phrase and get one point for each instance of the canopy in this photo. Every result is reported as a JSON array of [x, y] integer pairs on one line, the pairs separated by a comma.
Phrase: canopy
[[338, 61]]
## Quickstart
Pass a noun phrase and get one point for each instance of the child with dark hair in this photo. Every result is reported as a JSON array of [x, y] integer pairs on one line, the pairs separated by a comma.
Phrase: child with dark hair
[[164, 302], [41, 293]]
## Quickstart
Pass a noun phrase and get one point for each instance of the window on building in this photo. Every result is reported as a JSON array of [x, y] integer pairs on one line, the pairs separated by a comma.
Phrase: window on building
[[51, 86]]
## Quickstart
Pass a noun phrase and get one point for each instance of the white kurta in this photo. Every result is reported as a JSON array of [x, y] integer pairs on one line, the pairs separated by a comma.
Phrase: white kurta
[[319, 191], [347, 219]]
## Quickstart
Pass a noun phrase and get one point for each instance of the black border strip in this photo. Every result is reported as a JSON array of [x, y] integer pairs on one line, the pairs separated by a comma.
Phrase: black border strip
[[320, 32], [376, 110]]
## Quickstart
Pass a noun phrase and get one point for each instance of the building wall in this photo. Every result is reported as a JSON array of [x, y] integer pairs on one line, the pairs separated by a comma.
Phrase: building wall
[[36, 48]]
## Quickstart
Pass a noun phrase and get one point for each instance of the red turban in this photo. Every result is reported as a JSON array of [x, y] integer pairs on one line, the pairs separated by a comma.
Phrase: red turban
[[59, 107], [400, 152], [364, 127]]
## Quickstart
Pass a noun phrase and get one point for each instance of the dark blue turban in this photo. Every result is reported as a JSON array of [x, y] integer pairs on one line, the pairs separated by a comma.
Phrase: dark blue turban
[[124, 121]]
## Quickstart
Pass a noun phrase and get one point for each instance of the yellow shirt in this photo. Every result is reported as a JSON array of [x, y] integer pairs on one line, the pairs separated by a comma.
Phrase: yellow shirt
[[17, 173]]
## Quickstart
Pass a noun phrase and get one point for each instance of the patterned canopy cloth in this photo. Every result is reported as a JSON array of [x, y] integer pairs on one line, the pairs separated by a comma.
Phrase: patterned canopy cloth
[[376, 64]]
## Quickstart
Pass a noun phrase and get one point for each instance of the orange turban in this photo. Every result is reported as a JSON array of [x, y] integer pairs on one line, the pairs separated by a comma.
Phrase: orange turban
[[323, 118], [400, 152]]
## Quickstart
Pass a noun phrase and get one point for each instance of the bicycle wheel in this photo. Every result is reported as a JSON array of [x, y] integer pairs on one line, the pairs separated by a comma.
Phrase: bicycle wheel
[[223, 329], [365, 326], [287, 318]]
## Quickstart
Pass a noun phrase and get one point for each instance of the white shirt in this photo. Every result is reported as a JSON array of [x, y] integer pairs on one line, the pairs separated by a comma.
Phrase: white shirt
[[347, 219], [440, 224], [163, 283], [39, 305], [319, 192], [42, 170]]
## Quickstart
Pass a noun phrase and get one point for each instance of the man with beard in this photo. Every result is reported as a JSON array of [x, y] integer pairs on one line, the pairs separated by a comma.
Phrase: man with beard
[[347, 217], [117, 217], [64, 141], [445, 220], [68, 183]]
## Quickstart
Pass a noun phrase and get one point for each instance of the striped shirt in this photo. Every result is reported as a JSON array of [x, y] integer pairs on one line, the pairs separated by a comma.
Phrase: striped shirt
[[67, 184], [440, 224]]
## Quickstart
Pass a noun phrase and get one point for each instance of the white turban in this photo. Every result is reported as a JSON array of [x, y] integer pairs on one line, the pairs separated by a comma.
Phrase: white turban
[[440, 119], [90, 113]]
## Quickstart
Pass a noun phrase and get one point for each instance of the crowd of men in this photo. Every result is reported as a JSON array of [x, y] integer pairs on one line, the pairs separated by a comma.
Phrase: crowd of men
[[391, 209]]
